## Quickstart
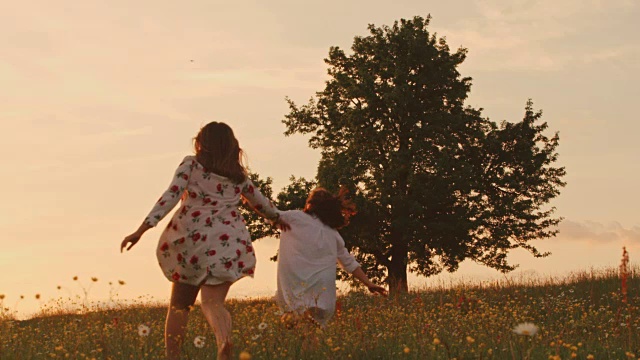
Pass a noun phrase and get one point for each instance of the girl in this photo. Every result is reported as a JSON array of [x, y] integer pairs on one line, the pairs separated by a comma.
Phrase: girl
[[308, 254], [206, 246]]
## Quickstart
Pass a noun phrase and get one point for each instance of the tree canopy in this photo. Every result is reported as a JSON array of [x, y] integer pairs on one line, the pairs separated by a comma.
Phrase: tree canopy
[[435, 182]]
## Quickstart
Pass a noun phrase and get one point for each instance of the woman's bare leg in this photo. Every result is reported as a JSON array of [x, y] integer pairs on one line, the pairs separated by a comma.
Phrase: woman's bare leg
[[213, 297], [183, 296]]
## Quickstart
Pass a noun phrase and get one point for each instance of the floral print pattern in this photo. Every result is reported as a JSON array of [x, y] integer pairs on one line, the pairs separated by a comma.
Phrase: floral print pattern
[[206, 241]]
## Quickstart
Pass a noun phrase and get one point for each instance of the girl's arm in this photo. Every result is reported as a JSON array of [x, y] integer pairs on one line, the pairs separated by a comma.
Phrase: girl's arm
[[362, 277], [167, 201], [261, 205], [350, 265]]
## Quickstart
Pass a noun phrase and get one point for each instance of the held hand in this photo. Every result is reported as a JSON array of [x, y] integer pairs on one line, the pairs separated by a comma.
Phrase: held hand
[[377, 289], [130, 240], [283, 225]]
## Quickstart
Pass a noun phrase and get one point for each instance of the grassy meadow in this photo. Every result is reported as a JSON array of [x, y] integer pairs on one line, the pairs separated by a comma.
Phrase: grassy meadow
[[582, 316]]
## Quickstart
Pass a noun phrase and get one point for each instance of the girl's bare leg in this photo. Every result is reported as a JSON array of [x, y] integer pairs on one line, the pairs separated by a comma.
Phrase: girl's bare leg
[[183, 296], [213, 297]]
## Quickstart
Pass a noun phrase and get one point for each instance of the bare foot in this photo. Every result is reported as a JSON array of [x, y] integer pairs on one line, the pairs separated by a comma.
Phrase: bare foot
[[225, 352]]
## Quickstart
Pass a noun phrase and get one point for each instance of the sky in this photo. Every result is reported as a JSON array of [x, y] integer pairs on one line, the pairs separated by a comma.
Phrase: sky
[[100, 100]]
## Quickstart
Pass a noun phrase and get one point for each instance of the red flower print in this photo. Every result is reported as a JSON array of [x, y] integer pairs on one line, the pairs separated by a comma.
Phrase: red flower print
[[180, 258], [185, 176], [211, 252], [224, 237], [195, 213], [192, 194], [219, 187], [164, 247], [237, 190], [208, 221], [226, 222], [204, 238], [234, 214], [183, 210], [238, 252], [228, 265], [175, 276], [196, 237], [175, 188], [243, 242], [162, 203], [183, 277], [193, 260], [240, 264], [214, 203], [181, 240], [250, 189], [175, 227], [206, 200], [249, 248], [250, 271], [258, 207]]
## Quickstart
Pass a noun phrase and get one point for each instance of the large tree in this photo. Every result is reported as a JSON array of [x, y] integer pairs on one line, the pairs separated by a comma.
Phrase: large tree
[[435, 182]]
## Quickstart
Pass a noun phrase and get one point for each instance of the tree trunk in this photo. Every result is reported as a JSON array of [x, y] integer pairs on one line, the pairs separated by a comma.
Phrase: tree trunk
[[397, 269], [399, 246], [397, 279]]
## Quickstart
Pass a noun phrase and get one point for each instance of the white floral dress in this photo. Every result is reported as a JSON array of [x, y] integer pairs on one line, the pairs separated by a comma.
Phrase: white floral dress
[[206, 241], [307, 260]]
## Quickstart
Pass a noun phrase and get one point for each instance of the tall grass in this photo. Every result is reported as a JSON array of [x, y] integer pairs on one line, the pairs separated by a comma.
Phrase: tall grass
[[583, 315]]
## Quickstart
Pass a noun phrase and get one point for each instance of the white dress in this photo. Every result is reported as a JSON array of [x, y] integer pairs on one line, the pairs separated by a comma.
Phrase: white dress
[[307, 265]]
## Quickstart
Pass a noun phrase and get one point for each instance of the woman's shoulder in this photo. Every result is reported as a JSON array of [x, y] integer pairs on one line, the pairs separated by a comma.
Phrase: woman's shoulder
[[189, 160], [293, 215]]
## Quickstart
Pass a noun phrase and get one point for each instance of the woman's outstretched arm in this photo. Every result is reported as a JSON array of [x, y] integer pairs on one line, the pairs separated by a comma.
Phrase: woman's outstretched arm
[[167, 201], [262, 206]]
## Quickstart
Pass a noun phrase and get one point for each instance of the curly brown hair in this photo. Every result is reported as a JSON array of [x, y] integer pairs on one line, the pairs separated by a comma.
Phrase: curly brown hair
[[218, 150], [333, 211]]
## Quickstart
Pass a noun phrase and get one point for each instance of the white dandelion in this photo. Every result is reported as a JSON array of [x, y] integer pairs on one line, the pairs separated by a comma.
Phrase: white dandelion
[[279, 313], [143, 330], [199, 342], [526, 328], [255, 337], [262, 326]]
